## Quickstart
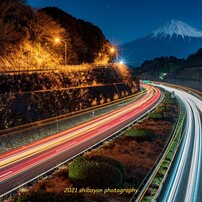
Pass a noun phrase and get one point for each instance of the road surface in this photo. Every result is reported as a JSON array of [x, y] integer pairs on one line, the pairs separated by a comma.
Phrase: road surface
[[184, 181], [25, 163]]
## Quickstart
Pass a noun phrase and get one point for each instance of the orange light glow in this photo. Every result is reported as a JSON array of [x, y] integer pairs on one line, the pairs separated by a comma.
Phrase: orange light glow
[[57, 40], [112, 50]]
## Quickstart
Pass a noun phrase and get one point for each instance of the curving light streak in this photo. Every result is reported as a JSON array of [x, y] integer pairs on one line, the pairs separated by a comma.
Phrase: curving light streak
[[52, 141], [29, 160], [191, 193], [192, 143]]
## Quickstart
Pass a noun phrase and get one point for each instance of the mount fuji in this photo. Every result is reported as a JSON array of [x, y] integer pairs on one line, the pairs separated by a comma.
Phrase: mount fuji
[[175, 38]]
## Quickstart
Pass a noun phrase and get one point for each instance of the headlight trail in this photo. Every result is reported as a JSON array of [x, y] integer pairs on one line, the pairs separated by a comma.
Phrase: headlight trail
[[184, 178], [25, 163]]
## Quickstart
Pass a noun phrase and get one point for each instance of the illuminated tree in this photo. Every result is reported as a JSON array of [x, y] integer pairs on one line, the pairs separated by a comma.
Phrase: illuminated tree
[[10, 29], [86, 39], [26, 36], [42, 28]]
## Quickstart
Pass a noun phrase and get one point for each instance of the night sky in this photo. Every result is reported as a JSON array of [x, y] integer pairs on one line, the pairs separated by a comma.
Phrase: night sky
[[125, 20]]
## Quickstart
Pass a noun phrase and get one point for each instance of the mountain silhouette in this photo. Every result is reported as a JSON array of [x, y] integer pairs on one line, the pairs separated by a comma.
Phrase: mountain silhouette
[[175, 38]]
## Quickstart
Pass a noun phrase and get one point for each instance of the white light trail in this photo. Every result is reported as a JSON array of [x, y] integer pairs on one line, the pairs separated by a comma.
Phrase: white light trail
[[192, 142]]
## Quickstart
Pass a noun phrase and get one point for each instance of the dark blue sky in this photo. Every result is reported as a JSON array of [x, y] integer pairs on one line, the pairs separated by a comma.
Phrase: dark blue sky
[[125, 20]]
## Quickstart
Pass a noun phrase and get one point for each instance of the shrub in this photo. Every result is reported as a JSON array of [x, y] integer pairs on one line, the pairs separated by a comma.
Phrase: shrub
[[104, 175], [141, 134], [47, 197], [161, 108], [169, 101], [96, 172], [156, 116], [80, 168], [166, 109], [111, 161], [167, 117], [170, 108]]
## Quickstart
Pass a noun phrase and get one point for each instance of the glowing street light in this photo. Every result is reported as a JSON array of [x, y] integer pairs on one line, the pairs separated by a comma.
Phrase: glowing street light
[[121, 62], [113, 53], [112, 50], [57, 40]]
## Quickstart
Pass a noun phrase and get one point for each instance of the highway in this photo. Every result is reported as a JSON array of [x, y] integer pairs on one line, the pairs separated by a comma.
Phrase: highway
[[23, 164], [184, 181]]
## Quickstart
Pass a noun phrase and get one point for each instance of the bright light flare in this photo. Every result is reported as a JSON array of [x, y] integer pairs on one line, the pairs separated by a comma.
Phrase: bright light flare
[[57, 40], [112, 50], [121, 62]]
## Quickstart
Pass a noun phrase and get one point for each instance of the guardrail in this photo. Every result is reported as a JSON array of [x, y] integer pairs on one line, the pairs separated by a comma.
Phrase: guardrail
[[175, 146], [48, 121], [189, 90], [158, 176], [95, 145], [67, 68], [7, 70]]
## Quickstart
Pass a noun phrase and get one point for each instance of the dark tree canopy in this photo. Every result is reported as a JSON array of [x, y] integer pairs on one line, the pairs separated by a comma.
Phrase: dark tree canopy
[[86, 39], [195, 60], [163, 64], [28, 33]]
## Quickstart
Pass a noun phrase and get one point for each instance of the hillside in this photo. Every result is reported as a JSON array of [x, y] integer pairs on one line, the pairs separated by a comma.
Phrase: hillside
[[30, 97], [85, 39], [190, 77], [39, 74], [186, 72], [28, 38]]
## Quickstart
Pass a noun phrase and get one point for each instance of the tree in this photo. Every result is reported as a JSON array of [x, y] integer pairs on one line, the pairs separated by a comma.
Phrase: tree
[[9, 32], [27, 36], [9, 7], [195, 60], [42, 28], [86, 39]]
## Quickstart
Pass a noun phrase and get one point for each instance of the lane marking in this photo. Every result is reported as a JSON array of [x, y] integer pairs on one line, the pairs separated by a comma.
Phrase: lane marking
[[5, 174]]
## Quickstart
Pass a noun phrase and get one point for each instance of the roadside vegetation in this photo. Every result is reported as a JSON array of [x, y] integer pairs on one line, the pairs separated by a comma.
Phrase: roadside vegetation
[[185, 72], [163, 169], [124, 161], [102, 171], [33, 97], [28, 38]]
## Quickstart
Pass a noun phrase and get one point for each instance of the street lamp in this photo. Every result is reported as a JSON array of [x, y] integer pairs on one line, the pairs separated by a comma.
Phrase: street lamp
[[57, 40], [112, 50], [121, 62]]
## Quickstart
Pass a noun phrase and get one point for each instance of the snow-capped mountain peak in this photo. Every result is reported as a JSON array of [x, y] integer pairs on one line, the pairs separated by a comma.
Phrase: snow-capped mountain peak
[[178, 28]]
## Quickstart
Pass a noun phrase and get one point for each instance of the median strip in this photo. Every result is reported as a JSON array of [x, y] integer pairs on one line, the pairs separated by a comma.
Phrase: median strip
[[153, 186]]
